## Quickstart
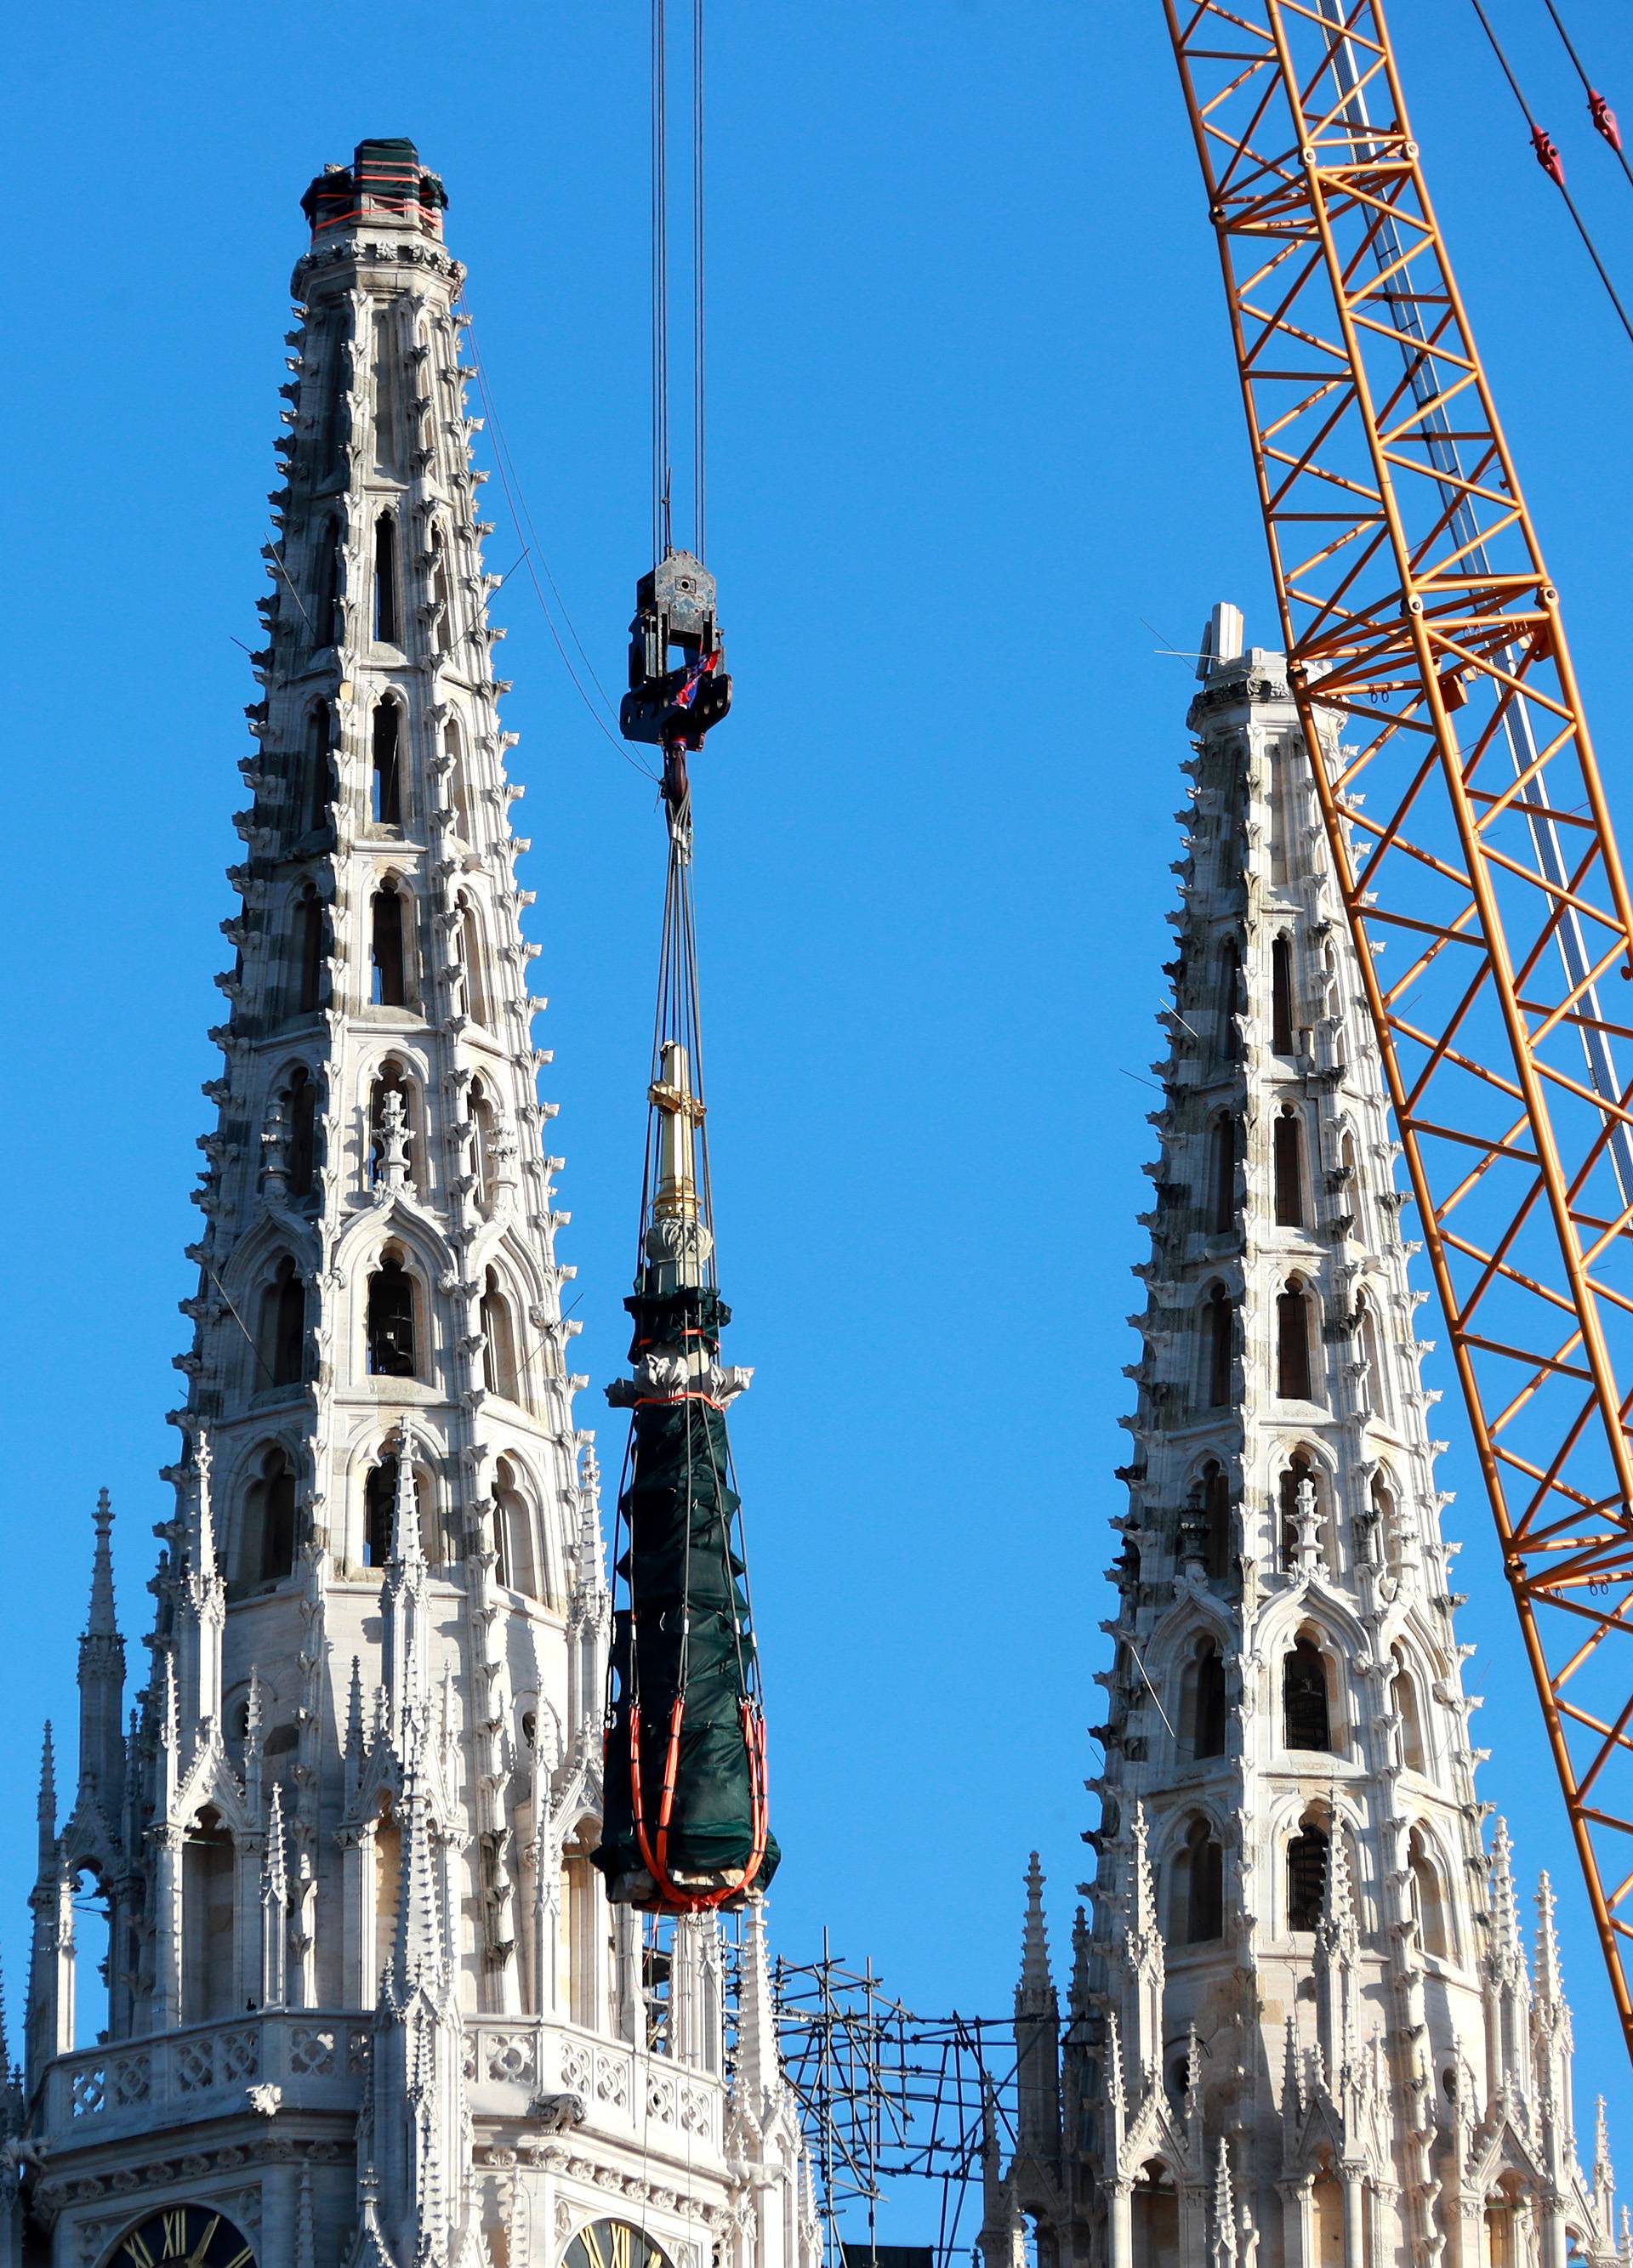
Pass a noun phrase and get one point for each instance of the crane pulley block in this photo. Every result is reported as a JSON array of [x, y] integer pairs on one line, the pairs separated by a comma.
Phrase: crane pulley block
[[678, 687]]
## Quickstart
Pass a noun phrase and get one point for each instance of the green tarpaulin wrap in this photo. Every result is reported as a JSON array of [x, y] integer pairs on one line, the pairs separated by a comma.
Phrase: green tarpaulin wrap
[[685, 1629]]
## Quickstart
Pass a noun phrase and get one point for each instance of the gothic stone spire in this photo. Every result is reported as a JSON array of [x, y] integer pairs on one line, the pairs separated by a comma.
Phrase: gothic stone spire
[[367, 1749], [1289, 1863]]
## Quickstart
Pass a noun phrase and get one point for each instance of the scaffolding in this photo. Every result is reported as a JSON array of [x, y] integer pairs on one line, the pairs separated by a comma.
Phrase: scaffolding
[[888, 2096]]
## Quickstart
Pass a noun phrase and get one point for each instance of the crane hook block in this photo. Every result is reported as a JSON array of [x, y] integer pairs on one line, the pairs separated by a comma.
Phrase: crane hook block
[[678, 687]]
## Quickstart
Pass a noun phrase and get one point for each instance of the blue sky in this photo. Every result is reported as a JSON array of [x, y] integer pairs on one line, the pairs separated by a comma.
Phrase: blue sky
[[976, 460]]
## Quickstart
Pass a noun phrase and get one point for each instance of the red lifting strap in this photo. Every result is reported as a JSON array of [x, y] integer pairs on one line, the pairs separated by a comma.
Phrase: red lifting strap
[[655, 1857]]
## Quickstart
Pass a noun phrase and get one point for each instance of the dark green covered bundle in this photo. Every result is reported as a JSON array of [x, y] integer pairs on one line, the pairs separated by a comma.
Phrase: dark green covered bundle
[[685, 1627]]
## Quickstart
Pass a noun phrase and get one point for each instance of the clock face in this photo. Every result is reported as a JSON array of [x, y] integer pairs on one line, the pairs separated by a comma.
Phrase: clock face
[[614, 2244], [195, 2234]]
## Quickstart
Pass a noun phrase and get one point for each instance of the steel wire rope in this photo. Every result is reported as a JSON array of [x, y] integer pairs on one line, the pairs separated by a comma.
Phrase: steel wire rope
[[660, 285], [1543, 147], [1598, 110], [698, 511]]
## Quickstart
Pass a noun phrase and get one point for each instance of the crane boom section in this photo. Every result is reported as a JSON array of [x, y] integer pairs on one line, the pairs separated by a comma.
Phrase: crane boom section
[[1468, 820]]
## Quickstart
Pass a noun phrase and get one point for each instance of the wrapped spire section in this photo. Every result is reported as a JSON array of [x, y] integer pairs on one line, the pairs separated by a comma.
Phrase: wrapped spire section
[[685, 1823]]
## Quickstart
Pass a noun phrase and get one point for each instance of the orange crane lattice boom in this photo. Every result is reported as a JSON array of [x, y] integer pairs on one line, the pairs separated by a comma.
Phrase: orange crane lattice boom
[[1466, 817]]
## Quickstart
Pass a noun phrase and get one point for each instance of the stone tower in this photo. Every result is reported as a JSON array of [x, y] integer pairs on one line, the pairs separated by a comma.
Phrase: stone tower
[[1301, 2027], [366, 2002]]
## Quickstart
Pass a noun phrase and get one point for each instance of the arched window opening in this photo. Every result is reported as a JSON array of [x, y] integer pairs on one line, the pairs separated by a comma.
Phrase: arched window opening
[[300, 1117], [1154, 2214], [267, 1554], [1197, 1906], [387, 1881], [388, 1080], [1217, 1317], [1215, 1522], [1427, 1901], [93, 1959], [1222, 1149], [1306, 1877], [1202, 1702], [387, 954], [386, 626], [459, 787], [310, 952], [387, 788], [326, 627], [1371, 1362], [498, 1354], [470, 955], [282, 1350], [391, 1348], [1292, 1342], [209, 1870], [1289, 1143], [1281, 995], [1403, 1704], [481, 1112], [1228, 992], [1306, 1720], [380, 1497], [1280, 812], [1385, 1548], [514, 1532], [320, 781], [1210, 1703], [388, 397]]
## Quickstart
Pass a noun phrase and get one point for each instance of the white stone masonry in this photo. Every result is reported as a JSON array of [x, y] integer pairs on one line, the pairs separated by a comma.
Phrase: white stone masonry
[[366, 1996], [1299, 2029]]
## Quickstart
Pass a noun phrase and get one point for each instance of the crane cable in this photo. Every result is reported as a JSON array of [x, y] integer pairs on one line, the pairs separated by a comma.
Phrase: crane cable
[[1548, 158], [662, 506], [1600, 111]]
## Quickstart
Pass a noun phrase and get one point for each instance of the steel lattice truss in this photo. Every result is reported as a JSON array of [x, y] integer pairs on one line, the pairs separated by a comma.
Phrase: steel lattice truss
[[1466, 817]]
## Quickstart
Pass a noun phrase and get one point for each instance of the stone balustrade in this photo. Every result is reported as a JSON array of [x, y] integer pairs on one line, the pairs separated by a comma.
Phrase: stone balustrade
[[309, 2059]]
